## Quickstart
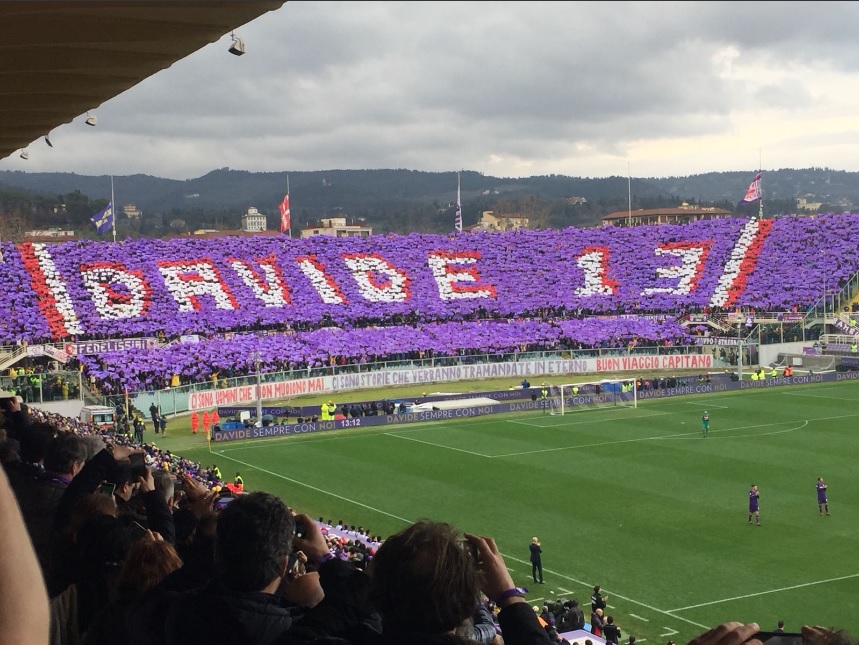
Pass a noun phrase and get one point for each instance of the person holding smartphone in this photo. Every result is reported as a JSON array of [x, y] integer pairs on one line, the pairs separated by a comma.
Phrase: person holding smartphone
[[125, 467]]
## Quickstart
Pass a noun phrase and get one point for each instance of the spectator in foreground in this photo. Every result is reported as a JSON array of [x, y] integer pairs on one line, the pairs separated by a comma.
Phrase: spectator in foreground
[[147, 563], [100, 550], [24, 615], [255, 536], [425, 584], [40, 496]]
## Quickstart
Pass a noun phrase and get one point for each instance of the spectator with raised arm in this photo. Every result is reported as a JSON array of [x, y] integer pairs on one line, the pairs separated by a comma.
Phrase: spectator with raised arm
[[424, 583]]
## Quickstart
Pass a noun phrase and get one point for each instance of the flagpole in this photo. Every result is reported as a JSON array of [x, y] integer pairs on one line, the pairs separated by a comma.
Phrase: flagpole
[[113, 208], [629, 194], [458, 223], [289, 232], [760, 171]]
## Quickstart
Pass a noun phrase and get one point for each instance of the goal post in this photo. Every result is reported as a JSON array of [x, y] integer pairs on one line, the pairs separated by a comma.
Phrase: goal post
[[591, 395]]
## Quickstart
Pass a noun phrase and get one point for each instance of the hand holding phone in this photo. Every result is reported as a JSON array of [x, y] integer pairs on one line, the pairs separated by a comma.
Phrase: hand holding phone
[[136, 531], [138, 464], [107, 488]]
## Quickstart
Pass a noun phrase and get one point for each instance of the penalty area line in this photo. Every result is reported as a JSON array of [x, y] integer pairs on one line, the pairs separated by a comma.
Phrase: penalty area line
[[764, 593]]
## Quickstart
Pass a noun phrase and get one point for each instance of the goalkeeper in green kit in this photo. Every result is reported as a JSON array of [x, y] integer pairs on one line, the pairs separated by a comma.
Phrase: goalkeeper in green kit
[[705, 423]]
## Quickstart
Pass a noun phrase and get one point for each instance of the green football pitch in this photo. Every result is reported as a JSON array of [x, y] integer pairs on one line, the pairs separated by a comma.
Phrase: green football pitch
[[635, 500]]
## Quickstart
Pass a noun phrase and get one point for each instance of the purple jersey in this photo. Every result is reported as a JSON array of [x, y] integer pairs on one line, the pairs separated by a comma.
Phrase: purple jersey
[[753, 501], [821, 492]]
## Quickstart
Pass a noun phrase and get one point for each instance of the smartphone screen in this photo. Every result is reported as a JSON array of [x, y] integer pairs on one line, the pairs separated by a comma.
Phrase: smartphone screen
[[221, 503], [779, 638], [107, 488], [136, 531]]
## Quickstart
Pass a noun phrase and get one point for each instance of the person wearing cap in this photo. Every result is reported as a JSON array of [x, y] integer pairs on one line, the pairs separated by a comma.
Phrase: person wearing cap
[[536, 560]]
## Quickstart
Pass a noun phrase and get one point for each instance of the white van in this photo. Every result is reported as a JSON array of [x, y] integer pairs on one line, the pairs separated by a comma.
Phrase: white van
[[99, 415]]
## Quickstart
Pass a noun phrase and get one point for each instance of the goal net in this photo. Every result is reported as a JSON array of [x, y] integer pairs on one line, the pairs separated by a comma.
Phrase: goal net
[[607, 393]]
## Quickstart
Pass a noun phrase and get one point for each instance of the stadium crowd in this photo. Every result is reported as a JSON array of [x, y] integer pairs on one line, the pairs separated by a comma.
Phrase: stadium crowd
[[132, 544], [110, 540]]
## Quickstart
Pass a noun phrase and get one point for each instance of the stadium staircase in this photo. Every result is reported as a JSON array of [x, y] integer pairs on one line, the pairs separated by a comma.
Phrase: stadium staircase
[[719, 323], [11, 354]]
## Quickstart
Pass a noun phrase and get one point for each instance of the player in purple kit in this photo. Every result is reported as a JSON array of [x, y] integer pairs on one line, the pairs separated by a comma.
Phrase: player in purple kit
[[822, 500], [754, 508]]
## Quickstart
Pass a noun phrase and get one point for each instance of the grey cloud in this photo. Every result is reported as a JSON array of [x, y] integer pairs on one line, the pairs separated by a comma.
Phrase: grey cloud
[[446, 85]]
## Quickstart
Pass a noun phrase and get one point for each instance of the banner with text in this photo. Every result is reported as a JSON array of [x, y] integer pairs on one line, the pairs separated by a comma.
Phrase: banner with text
[[392, 378]]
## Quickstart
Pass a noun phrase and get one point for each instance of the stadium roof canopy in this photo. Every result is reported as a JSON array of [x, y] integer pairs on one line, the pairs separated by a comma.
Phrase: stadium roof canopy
[[61, 59]]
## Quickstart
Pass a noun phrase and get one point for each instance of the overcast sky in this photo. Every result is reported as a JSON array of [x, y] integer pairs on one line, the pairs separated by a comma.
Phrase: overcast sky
[[509, 89]]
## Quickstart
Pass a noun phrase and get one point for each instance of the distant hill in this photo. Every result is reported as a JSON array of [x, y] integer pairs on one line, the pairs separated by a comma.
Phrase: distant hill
[[398, 199]]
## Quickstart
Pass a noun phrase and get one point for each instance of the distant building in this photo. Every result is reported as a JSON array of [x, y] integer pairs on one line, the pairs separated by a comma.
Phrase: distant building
[[682, 215], [208, 233], [806, 206], [574, 201], [253, 221], [337, 227], [177, 223], [49, 234], [131, 211], [489, 221]]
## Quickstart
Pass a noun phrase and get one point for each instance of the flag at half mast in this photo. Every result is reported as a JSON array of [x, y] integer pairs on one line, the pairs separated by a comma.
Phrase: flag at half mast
[[284, 215], [103, 220], [458, 221], [754, 191]]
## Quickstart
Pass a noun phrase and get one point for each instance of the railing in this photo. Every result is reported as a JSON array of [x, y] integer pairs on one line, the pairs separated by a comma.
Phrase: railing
[[43, 388], [11, 354]]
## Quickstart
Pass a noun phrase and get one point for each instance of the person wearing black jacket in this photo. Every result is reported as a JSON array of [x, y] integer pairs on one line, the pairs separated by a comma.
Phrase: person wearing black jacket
[[598, 600], [610, 631], [255, 537], [536, 560]]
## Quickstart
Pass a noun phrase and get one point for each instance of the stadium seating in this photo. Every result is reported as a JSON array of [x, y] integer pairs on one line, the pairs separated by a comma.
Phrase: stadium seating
[[479, 293]]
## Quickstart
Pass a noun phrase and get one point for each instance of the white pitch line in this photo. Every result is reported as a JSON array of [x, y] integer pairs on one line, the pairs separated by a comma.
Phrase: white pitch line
[[704, 405], [764, 593], [436, 445], [673, 436], [602, 419], [817, 396], [613, 594], [298, 482], [506, 557], [646, 620]]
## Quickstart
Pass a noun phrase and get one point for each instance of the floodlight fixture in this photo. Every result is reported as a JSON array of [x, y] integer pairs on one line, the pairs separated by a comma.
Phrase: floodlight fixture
[[25, 154], [238, 46], [48, 141], [90, 119]]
